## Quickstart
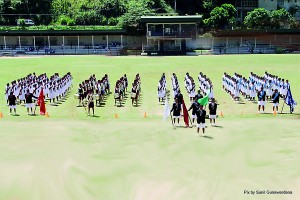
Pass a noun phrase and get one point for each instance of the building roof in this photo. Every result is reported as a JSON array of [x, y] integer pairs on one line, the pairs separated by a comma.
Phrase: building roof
[[61, 32], [172, 19], [245, 33]]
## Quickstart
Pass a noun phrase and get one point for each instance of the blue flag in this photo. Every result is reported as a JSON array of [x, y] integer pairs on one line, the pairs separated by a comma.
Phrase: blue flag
[[289, 100]]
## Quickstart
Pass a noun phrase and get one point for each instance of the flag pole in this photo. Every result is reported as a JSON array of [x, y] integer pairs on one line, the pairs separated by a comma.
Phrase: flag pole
[[190, 121], [283, 105]]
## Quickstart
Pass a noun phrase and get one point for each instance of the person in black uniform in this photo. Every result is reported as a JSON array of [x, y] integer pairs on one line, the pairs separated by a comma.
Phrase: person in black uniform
[[261, 99], [212, 112], [29, 102], [80, 93], [179, 97], [194, 107], [198, 95], [201, 113], [126, 81], [176, 109], [91, 104], [275, 99], [12, 103]]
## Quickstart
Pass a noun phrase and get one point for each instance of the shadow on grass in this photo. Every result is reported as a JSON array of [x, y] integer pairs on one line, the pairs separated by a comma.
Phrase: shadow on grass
[[218, 126], [95, 116], [208, 137]]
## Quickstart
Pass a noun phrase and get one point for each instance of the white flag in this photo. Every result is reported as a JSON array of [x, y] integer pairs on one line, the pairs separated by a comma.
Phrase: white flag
[[166, 110]]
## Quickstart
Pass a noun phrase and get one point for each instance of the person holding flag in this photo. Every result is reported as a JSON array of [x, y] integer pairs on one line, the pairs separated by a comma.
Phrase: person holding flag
[[201, 113], [186, 116], [41, 102], [290, 101]]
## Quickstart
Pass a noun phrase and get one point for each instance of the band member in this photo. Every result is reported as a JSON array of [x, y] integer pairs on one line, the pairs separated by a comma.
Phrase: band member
[[261, 99], [12, 103], [212, 112], [176, 109], [194, 107], [201, 113], [275, 98], [29, 102], [133, 93], [91, 105], [125, 81], [80, 93]]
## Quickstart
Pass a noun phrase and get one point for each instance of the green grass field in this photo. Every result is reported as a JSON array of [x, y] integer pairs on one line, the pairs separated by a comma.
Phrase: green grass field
[[69, 156]]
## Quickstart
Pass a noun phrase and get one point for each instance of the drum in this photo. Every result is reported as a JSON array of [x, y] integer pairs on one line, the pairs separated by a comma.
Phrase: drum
[[76, 96], [97, 97], [117, 95], [133, 95]]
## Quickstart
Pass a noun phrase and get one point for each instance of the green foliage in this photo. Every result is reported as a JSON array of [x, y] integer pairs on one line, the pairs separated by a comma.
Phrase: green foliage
[[61, 27], [131, 19], [221, 17], [280, 17], [65, 20], [261, 18]]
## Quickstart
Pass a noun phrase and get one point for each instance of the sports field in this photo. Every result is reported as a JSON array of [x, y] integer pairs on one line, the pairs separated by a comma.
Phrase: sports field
[[70, 156]]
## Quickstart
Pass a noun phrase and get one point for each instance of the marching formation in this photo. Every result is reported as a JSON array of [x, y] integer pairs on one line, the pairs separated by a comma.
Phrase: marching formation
[[26, 90], [205, 85], [92, 90], [31, 89], [121, 89], [268, 88], [161, 88], [136, 90]]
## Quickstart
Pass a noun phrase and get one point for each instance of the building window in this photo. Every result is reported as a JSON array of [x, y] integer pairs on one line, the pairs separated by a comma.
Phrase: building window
[[250, 3], [280, 2]]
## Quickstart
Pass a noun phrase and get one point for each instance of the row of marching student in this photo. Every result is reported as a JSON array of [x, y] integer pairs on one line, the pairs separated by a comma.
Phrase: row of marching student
[[90, 90], [179, 109], [136, 90], [121, 89], [28, 89], [266, 88]]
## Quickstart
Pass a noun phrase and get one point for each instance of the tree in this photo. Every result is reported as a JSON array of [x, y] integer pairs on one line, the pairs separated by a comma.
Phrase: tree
[[135, 9], [280, 17], [131, 19], [221, 17], [259, 18], [264, 19]]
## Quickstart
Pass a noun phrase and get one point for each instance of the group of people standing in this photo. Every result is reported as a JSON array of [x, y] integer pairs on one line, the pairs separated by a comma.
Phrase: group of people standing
[[268, 88], [136, 89], [26, 90], [178, 106], [91, 90], [121, 89]]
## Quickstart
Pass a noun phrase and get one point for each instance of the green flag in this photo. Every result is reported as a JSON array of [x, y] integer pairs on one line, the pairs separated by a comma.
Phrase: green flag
[[203, 101]]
